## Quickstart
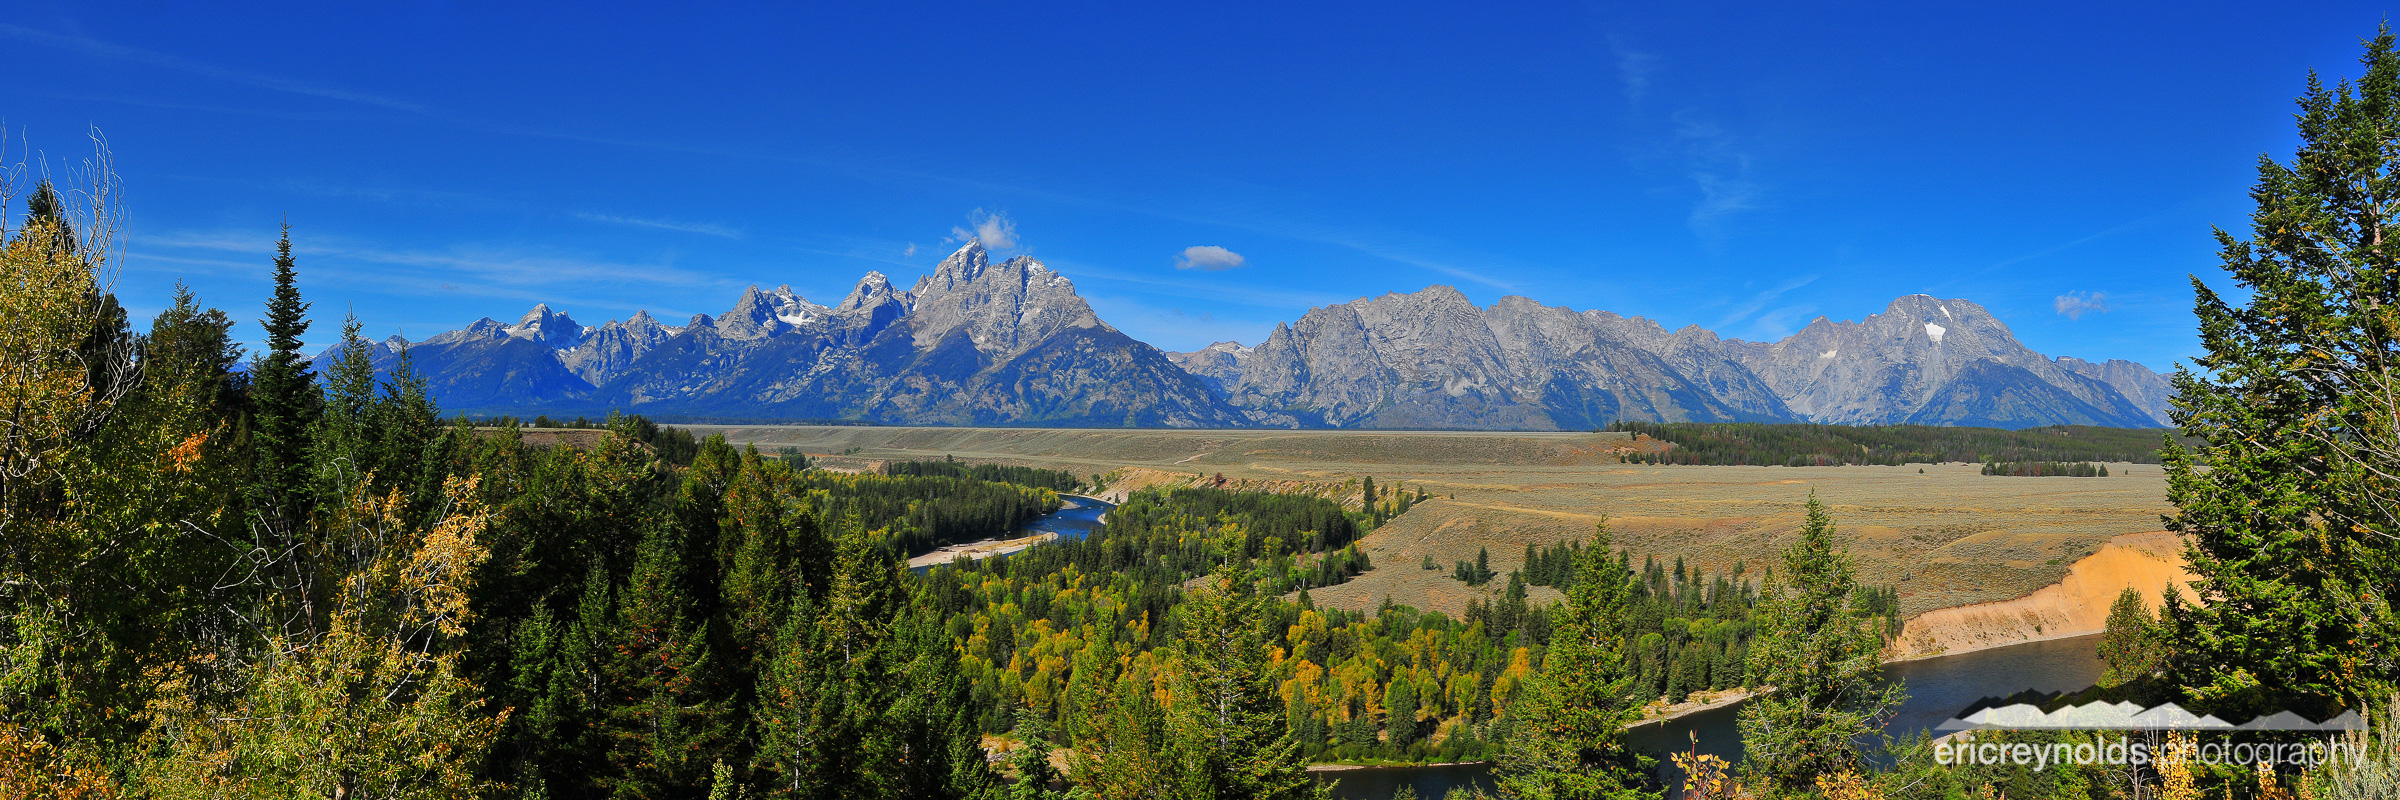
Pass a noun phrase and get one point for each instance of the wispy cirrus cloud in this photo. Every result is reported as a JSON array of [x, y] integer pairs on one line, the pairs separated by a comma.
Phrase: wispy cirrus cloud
[[484, 265], [704, 228], [1760, 300], [109, 50], [1720, 167], [1633, 67]]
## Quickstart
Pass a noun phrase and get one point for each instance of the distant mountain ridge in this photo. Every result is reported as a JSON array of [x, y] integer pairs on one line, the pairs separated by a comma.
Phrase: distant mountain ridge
[[1433, 359], [1011, 343]]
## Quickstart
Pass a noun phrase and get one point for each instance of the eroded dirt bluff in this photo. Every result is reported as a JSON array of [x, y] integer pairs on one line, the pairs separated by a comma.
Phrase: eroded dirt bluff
[[2075, 606]]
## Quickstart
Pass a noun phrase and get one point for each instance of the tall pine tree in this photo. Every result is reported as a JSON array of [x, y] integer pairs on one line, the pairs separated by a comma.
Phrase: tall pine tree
[[2292, 527], [284, 393], [1230, 739], [1816, 646], [1568, 742]]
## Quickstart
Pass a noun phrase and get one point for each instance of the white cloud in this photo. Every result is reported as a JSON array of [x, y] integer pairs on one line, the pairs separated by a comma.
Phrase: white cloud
[[2073, 305], [995, 231], [1208, 257], [912, 250]]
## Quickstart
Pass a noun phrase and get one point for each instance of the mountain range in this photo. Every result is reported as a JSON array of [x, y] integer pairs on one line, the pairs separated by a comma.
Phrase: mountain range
[[1011, 343]]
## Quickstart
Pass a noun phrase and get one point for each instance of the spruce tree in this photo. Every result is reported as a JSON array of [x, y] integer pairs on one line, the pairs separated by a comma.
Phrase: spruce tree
[[672, 724], [285, 395], [2291, 526], [405, 423], [1568, 741], [345, 429], [1816, 645], [1230, 740], [1031, 760]]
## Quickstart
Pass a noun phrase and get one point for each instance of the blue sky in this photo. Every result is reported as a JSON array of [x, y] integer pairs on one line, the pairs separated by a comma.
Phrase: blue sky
[[1741, 167]]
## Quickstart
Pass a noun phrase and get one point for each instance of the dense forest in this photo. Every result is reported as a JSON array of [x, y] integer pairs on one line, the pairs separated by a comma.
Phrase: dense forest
[[1804, 445]]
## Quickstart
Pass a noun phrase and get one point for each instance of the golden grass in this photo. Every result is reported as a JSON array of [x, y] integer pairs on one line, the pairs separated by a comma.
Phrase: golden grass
[[1947, 537]]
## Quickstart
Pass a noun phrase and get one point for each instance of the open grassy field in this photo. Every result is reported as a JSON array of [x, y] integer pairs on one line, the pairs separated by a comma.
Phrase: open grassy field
[[1948, 536]]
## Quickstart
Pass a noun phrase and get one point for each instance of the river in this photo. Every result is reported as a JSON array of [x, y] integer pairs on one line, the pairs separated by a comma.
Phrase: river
[[1938, 688], [1076, 518]]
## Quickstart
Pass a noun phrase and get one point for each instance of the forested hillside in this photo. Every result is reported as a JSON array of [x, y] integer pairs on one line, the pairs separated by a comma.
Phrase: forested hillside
[[1802, 445]]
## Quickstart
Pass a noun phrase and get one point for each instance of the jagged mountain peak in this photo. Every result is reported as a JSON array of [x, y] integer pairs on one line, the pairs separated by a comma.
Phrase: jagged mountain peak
[[754, 316], [1442, 294], [963, 266], [1002, 308], [553, 328], [873, 295]]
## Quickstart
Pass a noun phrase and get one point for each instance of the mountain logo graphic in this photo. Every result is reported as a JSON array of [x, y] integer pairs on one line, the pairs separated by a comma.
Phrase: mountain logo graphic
[[2131, 717]]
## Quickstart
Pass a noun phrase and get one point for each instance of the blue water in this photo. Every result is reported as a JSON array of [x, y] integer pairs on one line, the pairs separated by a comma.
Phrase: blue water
[[1431, 783], [1938, 688], [1077, 518]]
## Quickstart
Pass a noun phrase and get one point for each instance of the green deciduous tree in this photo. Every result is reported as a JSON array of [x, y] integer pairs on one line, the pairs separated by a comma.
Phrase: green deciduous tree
[[2293, 523], [374, 705], [2134, 644]]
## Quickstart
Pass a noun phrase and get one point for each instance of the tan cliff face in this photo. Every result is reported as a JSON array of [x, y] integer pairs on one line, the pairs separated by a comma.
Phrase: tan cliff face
[[2077, 605]]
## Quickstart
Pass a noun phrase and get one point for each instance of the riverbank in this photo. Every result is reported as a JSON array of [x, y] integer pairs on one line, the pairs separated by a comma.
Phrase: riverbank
[[980, 549], [2077, 605], [1655, 713], [1103, 518]]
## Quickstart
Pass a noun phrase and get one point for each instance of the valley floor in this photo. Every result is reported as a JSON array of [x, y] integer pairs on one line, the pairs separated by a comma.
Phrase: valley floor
[[1948, 536]]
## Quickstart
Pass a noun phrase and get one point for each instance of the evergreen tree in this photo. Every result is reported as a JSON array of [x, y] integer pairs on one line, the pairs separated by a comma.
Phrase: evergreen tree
[[189, 345], [1816, 645], [1125, 752], [1567, 742], [1032, 761], [284, 393], [345, 429], [1230, 740], [46, 213], [405, 423], [673, 724], [2291, 528]]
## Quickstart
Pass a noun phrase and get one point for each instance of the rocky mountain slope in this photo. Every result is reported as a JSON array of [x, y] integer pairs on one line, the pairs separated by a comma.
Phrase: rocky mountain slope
[[974, 343], [1432, 359], [1011, 343]]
